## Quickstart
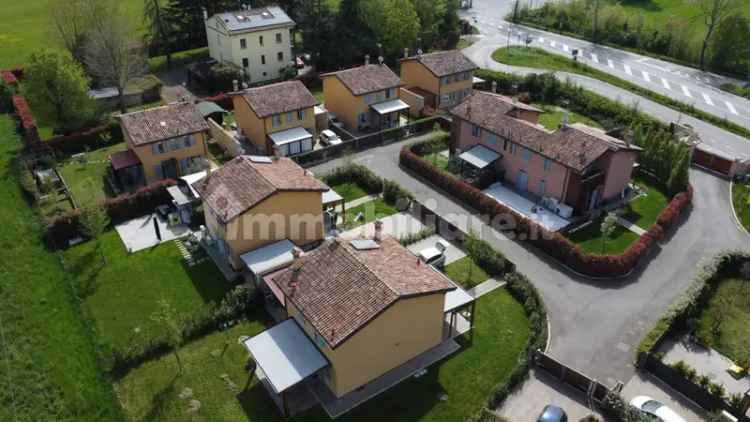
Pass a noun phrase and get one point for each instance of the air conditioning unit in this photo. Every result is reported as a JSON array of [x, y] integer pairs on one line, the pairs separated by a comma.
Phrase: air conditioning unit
[[564, 211]]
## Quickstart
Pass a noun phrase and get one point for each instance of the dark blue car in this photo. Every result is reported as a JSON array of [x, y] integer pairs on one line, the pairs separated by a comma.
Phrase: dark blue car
[[552, 414]]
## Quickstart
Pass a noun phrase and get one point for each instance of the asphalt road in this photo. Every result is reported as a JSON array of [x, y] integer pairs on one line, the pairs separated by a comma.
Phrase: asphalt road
[[685, 84]]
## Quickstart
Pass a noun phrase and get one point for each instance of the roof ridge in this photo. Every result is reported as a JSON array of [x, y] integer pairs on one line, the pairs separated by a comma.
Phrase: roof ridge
[[372, 271]]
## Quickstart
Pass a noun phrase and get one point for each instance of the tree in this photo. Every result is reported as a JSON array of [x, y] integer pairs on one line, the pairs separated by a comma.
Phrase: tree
[[71, 20], [713, 13], [158, 28], [595, 23], [680, 174], [394, 22], [172, 324], [186, 18], [111, 54], [607, 228], [94, 221], [57, 88], [730, 49]]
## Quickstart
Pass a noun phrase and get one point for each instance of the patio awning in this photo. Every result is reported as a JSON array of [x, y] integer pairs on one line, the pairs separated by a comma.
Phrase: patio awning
[[285, 355], [290, 135], [331, 197], [269, 258], [178, 196], [387, 107], [124, 159], [479, 156], [456, 298], [192, 178]]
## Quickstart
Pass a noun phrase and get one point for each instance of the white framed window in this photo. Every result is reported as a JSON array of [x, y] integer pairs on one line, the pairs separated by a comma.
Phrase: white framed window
[[301, 114], [278, 38], [245, 62], [243, 43], [280, 56], [260, 40], [262, 59]]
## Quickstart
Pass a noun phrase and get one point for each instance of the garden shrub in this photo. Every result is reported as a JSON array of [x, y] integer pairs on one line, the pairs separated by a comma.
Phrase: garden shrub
[[86, 139], [29, 128], [411, 238], [357, 174]]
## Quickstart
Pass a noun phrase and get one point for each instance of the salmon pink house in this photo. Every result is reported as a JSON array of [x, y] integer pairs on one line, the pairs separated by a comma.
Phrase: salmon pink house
[[576, 167]]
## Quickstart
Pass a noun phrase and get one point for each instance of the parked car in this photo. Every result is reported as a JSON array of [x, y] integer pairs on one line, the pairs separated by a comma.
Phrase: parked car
[[335, 120], [434, 255], [655, 408], [329, 137], [552, 413]]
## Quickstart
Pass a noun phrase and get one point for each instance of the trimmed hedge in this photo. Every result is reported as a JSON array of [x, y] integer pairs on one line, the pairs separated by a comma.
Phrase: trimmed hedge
[[29, 128], [554, 244], [86, 139], [61, 229]]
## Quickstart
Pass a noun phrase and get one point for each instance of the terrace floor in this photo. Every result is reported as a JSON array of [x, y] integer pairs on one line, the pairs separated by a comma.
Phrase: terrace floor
[[139, 233], [524, 206]]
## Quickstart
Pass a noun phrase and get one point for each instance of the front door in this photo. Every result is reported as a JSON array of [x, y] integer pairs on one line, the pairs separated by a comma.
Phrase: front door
[[522, 181]]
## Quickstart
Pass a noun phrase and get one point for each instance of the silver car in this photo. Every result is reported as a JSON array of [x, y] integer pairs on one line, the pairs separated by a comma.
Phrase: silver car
[[655, 408], [434, 255]]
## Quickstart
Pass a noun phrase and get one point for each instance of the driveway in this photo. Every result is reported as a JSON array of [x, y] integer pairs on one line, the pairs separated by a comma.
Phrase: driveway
[[647, 385]]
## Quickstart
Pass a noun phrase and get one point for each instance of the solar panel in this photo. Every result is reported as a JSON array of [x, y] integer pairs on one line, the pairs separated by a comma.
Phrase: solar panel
[[364, 244], [259, 159]]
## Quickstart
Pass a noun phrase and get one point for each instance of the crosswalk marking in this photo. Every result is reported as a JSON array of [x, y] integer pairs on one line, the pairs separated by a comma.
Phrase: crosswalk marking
[[665, 83], [646, 76], [628, 70], [541, 40], [686, 91], [594, 58], [565, 47], [731, 107], [708, 99], [610, 63]]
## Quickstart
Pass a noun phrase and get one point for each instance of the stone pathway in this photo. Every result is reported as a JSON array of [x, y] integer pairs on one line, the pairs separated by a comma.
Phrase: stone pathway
[[485, 287], [630, 226], [360, 201]]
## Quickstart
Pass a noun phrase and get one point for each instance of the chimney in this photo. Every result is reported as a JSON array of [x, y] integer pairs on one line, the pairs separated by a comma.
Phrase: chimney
[[494, 86], [406, 52], [378, 231], [380, 59], [367, 59], [205, 13], [235, 85]]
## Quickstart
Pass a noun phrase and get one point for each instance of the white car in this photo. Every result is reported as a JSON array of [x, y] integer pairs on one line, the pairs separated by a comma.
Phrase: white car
[[329, 137], [655, 408], [434, 255]]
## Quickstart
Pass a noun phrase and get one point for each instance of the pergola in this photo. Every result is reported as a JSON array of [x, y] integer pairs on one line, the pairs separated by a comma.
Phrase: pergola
[[460, 310], [331, 200]]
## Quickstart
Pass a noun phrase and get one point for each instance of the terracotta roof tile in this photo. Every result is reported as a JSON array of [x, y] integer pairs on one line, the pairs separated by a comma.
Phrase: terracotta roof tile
[[278, 98], [368, 78], [243, 183], [576, 146], [443, 63], [340, 289], [158, 123]]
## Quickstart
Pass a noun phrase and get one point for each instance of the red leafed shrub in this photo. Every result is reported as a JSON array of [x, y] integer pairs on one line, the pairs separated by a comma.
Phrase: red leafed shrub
[[17, 72], [675, 208], [8, 77], [554, 244], [59, 230], [23, 111], [90, 138]]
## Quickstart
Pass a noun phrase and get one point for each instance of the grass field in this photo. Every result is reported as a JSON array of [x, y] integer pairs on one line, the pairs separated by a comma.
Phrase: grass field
[[349, 191], [552, 117], [644, 210], [25, 26], [590, 239], [87, 180], [729, 310], [151, 392], [372, 210], [123, 294], [49, 368], [741, 203], [465, 272]]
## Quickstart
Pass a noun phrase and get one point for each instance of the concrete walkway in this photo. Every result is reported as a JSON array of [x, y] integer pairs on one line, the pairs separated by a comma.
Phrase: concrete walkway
[[485, 287], [630, 226], [360, 201]]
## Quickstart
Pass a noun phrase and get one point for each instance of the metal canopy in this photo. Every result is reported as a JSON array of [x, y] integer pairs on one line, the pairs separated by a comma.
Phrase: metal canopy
[[331, 197], [269, 258], [285, 355], [178, 196], [290, 135], [456, 298], [480, 156], [391, 106]]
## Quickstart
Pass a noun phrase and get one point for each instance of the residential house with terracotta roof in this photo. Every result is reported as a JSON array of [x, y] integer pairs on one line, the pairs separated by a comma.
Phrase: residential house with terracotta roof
[[359, 316], [364, 97], [443, 78], [578, 166], [163, 142], [277, 117]]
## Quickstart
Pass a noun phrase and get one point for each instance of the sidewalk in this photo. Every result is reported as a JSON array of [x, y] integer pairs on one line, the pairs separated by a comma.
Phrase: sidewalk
[[630, 226], [485, 287]]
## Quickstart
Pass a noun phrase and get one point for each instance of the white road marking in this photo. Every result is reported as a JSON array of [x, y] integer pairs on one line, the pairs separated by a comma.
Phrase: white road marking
[[628, 70], [731, 107], [610, 63], [646, 76], [552, 43], [707, 98], [594, 58], [566, 48], [686, 91], [665, 83], [541, 40]]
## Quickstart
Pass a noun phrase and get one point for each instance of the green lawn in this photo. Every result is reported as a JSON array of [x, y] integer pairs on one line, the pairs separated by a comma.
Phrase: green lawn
[[372, 210], [87, 179], [438, 160], [644, 210], [349, 191], [465, 379], [552, 117], [123, 294], [158, 64], [465, 272], [590, 238], [729, 311], [49, 366], [318, 94], [25, 26], [741, 203]]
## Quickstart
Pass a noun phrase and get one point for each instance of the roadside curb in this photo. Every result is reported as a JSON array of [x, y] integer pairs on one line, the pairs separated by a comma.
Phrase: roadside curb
[[734, 213]]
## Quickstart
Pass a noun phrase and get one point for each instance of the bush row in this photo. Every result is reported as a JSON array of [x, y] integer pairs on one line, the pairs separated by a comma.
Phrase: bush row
[[86, 139], [60, 230], [556, 245], [28, 127]]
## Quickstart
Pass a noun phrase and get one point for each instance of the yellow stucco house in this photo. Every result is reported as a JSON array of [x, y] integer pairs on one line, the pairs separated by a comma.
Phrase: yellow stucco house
[[358, 317], [253, 201], [364, 97], [164, 142], [443, 78], [277, 117]]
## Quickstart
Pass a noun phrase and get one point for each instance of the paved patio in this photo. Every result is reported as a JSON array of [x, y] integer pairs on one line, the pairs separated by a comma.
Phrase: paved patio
[[452, 252], [396, 225], [525, 207], [139, 233], [705, 361]]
